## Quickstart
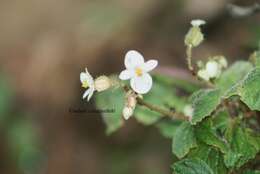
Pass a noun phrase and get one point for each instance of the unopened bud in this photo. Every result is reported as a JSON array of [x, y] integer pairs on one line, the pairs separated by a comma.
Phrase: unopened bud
[[194, 37], [130, 104], [102, 83], [127, 112]]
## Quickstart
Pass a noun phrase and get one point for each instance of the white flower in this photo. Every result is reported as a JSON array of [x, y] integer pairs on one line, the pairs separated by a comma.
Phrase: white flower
[[137, 70], [197, 22], [87, 82], [213, 69]]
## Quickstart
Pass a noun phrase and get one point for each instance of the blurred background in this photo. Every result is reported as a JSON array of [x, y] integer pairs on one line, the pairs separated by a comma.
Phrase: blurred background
[[45, 44]]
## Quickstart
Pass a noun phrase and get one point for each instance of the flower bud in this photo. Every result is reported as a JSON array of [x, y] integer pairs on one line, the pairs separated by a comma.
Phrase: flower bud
[[127, 112], [102, 83], [194, 37]]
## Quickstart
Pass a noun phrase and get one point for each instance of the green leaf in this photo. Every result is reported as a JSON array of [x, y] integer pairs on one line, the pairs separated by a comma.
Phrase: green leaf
[[205, 133], [204, 103], [242, 147], [163, 95], [210, 155], [191, 166], [251, 172], [249, 90], [168, 127], [111, 99], [233, 75], [221, 121], [183, 140]]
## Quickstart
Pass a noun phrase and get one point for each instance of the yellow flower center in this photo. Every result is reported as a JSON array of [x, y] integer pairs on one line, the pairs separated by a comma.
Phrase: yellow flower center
[[138, 71], [84, 84]]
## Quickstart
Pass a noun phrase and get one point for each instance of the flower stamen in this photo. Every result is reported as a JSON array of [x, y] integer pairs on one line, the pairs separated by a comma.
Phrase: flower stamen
[[139, 72], [85, 84]]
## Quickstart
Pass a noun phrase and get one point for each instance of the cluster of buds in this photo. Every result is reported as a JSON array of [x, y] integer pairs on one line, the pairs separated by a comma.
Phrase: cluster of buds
[[212, 69], [99, 84], [130, 104]]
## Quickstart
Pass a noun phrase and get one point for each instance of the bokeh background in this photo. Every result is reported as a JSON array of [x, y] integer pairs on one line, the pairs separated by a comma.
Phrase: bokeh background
[[45, 44]]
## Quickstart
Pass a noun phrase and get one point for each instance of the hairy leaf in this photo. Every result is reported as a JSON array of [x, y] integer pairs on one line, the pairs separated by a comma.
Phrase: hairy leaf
[[233, 75], [210, 155], [191, 166], [243, 146], [250, 90], [183, 140], [205, 133], [204, 103]]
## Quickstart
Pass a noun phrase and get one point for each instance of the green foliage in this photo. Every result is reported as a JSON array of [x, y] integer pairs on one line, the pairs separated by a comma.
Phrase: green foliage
[[250, 89], [232, 75], [191, 166], [111, 99], [204, 103], [211, 156], [242, 148], [219, 137], [183, 140], [207, 134]]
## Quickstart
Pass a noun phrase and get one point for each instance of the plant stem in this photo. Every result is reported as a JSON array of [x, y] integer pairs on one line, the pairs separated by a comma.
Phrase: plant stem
[[189, 56], [155, 108], [164, 112]]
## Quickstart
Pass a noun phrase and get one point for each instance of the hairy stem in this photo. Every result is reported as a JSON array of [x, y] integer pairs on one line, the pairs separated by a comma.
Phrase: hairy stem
[[158, 109], [164, 112], [189, 56]]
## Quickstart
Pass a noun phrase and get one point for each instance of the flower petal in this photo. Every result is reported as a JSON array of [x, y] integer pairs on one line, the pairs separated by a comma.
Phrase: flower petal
[[132, 59], [142, 84], [126, 74], [86, 93], [91, 93], [149, 65], [83, 77]]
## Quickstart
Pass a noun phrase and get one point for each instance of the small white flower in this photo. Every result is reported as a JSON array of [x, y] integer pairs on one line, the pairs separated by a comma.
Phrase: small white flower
[[137, 70], [213, 69], [197, 22], [87, 82]]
